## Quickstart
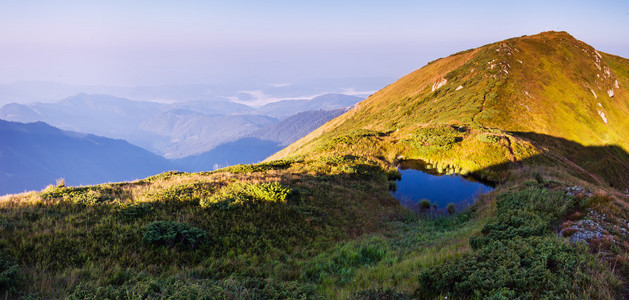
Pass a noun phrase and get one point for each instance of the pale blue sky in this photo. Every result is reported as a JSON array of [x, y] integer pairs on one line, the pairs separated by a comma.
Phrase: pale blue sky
[[176, 42]]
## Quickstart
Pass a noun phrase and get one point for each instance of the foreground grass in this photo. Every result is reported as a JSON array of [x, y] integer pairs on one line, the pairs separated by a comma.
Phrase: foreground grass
[[274, 230], [175, 227]]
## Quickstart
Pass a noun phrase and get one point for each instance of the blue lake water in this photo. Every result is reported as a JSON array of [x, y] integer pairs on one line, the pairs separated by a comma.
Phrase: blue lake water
[[420, 182]]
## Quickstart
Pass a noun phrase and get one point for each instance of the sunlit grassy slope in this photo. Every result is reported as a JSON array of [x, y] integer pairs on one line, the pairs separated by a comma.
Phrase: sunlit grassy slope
[[544, 117], [549, 84]]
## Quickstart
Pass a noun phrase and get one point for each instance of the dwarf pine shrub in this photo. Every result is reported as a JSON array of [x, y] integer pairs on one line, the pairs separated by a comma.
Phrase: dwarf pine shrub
[[8, 273], [168, 233], [243, 194], [488, 138], [517, 251]]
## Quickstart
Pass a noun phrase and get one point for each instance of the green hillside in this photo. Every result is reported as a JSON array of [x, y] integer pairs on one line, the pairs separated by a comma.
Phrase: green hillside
[[543, 117], [549, 84]]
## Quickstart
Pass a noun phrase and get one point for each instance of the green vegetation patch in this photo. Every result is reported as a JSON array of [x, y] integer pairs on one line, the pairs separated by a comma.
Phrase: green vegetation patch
[[8, 273], [432, 139], [191, 192], [488, 138], [171, 288], [82, 195], [516, 252], [280, 164], [168, 233], [240, 194], [360, 137]]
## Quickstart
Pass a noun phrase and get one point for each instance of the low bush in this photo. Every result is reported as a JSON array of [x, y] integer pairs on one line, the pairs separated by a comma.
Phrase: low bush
[[488, 138], [231, 288], [5, 224], [516, 252], [378, 294], [167, 233], [191, 192], [262, 167], [337, 160], [8, 273], [81, 195], [451, 209], [435, 139], [240, 194], [360, 137]]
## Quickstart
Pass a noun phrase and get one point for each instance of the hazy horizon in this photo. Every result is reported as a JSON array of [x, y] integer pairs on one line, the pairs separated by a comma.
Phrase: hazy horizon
[[154, 43]]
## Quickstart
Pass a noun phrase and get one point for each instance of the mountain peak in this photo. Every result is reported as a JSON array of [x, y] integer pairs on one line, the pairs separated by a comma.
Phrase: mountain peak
[[550, 84]]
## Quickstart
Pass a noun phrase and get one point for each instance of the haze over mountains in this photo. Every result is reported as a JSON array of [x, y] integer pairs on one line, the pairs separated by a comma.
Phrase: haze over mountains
[[244, 91], [195, 135], [36, 154], [173, 130]]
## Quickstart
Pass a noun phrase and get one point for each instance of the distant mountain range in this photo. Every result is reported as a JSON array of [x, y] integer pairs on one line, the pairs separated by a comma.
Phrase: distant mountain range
[[42, 91], [34, 155], [172, 130], [196, 136], [294, 127], [260, 144], [285, 108]]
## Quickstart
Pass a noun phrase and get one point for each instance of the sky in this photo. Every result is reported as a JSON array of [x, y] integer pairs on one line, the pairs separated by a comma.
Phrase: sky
[[133, 43]]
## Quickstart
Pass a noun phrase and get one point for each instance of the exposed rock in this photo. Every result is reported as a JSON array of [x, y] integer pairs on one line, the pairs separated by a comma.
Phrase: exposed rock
[[608, 72], [579, 190], [602, 114], [595, 226], [610, 93], [459, 87], [439, 84]]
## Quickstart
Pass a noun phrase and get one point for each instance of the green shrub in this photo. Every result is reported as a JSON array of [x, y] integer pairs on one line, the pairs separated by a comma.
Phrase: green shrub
[[435, 139], [424, 204], [513, 266], [244, 194], [262, 167], [170, 288], [357, 137], [361, 170], [8, 273], [516, 252], [337, 160], [168, 233], [81, 195], [488, 138], [5, 224], [451, 209]]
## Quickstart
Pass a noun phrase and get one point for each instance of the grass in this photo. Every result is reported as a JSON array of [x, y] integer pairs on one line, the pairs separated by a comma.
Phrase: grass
[[162, 227], [317, 221]]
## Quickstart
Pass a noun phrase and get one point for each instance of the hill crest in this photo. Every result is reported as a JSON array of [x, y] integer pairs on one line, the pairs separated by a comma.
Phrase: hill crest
[[549, 83]]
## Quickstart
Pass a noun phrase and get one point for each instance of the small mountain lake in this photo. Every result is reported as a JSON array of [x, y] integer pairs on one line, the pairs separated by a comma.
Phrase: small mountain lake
[[420, 181]]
